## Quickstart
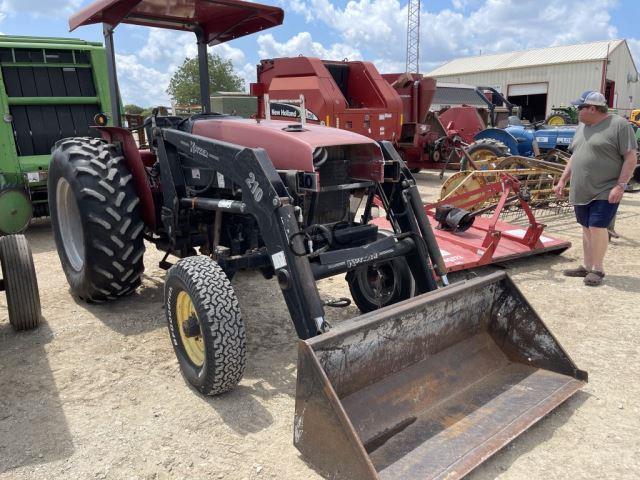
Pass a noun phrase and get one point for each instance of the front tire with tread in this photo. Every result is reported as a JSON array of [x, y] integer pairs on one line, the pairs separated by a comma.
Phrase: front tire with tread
[[221, 328], [20, 282], [97, 225], [487, 149]]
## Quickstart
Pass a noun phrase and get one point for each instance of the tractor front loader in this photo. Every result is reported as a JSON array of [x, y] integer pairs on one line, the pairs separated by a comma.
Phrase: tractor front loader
[[469, 365]]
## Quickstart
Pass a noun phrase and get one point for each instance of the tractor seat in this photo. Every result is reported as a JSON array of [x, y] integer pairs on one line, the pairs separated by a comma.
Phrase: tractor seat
[[184, 124], [187, 124], [169, 121]]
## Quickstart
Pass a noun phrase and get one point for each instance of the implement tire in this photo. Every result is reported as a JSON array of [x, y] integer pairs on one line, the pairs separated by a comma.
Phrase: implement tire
[[20, 282], [380, 284], [487, 149], [205, 325], [558, 118], [95, 218]]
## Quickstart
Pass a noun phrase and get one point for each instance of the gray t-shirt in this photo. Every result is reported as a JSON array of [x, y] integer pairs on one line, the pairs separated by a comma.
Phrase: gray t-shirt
[[597, 153]]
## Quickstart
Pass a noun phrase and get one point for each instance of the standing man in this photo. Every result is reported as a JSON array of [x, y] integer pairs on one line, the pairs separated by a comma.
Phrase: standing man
[[602, 161]]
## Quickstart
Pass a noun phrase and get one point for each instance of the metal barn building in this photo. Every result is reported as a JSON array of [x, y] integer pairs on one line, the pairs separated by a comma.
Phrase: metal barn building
[[542, 78]]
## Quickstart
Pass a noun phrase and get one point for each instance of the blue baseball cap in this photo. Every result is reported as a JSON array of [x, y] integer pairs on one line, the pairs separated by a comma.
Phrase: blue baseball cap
[[591, 97]]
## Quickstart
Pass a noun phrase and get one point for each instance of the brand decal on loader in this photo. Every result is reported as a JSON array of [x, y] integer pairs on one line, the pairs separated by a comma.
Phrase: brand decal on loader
[[291, 111], [353, 262], [254, 186], [194, 148]]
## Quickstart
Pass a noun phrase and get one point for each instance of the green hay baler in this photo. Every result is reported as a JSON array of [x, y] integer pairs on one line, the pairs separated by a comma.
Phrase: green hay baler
[[50, 88]]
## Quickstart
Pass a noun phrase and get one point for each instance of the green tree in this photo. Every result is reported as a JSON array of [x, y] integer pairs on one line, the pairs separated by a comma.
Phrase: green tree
[[133, 109], [184, 86], [146, 112]]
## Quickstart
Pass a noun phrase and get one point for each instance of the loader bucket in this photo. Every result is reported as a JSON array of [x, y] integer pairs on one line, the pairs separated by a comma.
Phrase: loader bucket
[[430, 387]]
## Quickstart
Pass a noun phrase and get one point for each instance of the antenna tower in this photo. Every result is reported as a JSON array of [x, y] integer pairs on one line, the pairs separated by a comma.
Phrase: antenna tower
[[413, 36]]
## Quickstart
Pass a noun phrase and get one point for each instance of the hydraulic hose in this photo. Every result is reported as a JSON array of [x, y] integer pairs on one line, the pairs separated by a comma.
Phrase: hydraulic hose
[[427, 233]]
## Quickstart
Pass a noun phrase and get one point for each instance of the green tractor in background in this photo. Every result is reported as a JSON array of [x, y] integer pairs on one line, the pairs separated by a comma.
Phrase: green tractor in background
[[50, 88], [562, 115]]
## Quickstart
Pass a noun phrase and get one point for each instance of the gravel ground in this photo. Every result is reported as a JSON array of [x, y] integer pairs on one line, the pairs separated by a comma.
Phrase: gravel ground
[[96, 392]]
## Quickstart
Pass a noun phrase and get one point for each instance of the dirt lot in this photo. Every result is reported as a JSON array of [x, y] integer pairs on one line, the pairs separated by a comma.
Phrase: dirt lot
[[96, 392]]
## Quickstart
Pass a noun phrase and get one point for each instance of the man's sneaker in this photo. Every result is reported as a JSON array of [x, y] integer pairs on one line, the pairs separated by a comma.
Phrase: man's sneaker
[[594, 278], [576, 272]]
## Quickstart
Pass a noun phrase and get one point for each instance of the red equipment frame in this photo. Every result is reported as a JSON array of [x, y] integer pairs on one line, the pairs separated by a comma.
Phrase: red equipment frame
[[489, 240]]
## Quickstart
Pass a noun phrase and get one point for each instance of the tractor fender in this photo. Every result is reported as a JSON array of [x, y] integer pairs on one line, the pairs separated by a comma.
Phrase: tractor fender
[[500, 135], [135, 165], [524, 137]]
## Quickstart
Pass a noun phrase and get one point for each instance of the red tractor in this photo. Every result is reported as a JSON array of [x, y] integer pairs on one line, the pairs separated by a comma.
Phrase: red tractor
[[294, 202]]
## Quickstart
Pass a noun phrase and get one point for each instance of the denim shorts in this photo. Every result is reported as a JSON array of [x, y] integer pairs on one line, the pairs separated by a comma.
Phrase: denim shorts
[[597, 213]]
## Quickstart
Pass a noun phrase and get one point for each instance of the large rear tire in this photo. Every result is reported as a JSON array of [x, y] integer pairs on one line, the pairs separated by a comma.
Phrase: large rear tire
[[205, 325], [96, 219], [557, 119], [20, 282]]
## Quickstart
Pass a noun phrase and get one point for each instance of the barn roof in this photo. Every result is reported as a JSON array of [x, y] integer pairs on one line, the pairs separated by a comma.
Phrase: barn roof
[[585, 52]]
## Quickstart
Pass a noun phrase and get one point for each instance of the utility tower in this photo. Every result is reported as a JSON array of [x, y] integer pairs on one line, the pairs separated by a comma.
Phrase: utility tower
[[413, 36]]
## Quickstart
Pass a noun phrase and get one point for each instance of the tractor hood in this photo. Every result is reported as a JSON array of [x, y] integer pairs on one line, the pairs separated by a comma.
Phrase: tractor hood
[[292, 147]]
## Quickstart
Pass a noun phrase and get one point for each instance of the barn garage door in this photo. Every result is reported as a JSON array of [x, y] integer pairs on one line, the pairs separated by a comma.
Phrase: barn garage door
[[532, 97], [527, 89]]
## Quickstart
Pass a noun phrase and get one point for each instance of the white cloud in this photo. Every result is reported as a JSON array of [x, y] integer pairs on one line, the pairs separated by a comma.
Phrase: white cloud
[[140, 84], [248, 74], [303, 44], [634, 46], [377, 28], [166, 50], [40, 8], [171, 48], [300, 7], [168, 46], [227, 52]]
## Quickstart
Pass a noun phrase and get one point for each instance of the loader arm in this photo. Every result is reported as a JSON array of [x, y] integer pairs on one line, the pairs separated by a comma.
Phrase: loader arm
[[183, 157]]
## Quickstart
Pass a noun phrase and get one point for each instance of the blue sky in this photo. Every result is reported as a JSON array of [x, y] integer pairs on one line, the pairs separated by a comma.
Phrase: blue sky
[[373, 30]]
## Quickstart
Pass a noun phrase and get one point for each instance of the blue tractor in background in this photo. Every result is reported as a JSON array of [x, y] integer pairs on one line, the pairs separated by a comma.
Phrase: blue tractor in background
[[520, 139]]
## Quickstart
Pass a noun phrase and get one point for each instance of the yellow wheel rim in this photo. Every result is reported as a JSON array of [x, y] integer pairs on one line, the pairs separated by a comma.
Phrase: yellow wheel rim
[[556, 120], [193, 346], [481, 154], [510, 163], [463, 182]]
